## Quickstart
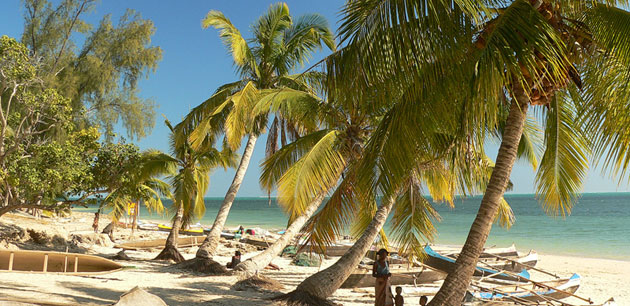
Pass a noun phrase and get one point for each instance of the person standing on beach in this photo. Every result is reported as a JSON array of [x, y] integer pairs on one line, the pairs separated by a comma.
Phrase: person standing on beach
[[380, 270], [95, 223]]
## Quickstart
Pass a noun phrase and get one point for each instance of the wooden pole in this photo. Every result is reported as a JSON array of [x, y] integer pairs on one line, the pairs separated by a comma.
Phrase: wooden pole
[[525, 265], [11, 261], [45, 263], [76, 264]]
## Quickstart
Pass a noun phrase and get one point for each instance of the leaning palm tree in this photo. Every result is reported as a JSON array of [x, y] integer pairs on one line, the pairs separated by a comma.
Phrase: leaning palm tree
[[190, 183], [280, 45], [510, 54]]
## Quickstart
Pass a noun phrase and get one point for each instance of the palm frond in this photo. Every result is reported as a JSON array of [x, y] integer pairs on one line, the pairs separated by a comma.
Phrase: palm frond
[[231, 36], [564, 164], [316, 172]]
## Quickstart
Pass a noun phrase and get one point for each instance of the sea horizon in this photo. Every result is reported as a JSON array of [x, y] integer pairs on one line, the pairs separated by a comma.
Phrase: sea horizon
[[597, 226]]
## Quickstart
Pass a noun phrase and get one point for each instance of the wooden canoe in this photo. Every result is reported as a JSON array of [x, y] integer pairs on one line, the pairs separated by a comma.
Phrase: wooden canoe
[[362, 277], [55, 262], [182, 242], [191, 231], [534, 292], [446, 263]]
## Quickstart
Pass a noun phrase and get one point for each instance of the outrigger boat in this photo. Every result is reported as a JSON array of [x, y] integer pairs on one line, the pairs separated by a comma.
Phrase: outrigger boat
[[362, 277], [532, 291], [55, 262], [447, 264]]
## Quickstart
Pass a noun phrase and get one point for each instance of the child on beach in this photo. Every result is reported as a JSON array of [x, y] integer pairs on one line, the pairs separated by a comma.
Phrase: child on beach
[[399, 300], [423, 300], [236, 259]]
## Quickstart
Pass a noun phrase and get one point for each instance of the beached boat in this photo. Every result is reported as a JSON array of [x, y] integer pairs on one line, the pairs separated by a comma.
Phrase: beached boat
[[447, 264], [55, 262], [507, 259], [362, 276], [532, 291], [337, 249], [191, 231], [182, 242], [262, 242]]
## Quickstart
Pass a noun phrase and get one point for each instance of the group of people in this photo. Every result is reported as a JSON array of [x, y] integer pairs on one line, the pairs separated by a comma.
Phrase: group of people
[[380, 271]]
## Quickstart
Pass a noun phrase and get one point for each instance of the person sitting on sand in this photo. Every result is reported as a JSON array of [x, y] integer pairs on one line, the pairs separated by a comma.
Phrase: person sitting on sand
[[423, 300], [380, 270], [236, 259], [399, 300]]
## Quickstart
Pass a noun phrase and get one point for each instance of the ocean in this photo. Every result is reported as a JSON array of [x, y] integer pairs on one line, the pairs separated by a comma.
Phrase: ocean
[[599, 225]]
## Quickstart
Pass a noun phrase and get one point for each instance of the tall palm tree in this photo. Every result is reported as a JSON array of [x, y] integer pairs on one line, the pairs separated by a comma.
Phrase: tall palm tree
[[511, 54], [280, 45], [190, 183]]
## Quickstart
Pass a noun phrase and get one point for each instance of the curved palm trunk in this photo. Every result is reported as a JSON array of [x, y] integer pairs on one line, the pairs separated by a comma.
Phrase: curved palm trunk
[[454, 288], [209, 245], [170, 251], [263, 259], [324, 283]]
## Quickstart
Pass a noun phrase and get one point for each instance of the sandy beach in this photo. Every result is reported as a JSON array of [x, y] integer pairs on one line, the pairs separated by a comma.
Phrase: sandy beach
[[602, 278]]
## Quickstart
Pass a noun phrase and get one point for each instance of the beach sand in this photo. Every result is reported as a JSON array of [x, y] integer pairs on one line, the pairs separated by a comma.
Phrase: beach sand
[[602, 278]]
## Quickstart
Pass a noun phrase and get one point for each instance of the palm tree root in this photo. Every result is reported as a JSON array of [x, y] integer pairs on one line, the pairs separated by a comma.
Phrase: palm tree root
[[170, 253], [301, 298], [203, 265], [258, 283]]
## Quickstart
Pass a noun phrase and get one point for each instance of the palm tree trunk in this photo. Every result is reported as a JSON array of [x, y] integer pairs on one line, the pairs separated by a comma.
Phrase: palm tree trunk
[[454, 288], [209, 245], [170, 251], [263, 259], [324, 283]]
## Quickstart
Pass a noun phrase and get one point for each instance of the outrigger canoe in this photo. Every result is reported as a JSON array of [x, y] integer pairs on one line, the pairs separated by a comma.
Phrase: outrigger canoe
[[55, 262], [447, 264], [182, 242], [533, 291], [362, 277]]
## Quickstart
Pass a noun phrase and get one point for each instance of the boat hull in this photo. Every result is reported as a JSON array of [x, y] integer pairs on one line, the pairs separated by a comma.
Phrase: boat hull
[[362, 277], [182, 242], [530, 292], [55, 262], [446, 264]]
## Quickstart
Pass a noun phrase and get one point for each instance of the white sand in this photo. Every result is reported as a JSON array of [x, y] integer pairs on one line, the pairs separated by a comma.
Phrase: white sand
[[602, 278]]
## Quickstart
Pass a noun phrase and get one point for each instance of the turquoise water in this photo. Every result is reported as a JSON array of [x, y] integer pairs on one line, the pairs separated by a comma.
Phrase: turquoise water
[[599, 225]]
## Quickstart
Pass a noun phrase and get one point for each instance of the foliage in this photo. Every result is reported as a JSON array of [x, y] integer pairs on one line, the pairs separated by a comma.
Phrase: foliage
[[35, 168], [100, 77]]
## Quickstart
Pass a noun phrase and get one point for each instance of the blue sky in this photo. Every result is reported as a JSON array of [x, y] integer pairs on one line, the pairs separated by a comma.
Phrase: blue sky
[[195, 63]]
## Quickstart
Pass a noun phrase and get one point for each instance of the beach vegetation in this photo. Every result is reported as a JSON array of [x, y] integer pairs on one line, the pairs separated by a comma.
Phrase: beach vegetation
[[35, 168], [131, 176], [280, 45]]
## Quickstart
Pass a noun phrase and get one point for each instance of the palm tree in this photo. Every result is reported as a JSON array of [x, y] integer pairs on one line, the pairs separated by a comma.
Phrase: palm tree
[[305, 170], [141, 185], [510, 55], [190, 184], [280, 45]]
